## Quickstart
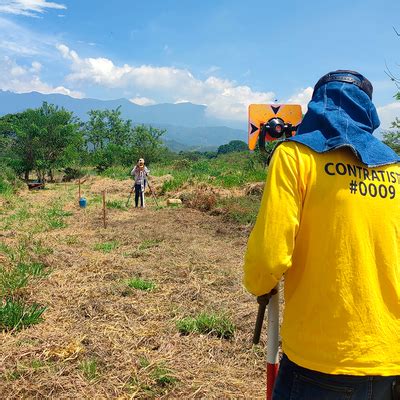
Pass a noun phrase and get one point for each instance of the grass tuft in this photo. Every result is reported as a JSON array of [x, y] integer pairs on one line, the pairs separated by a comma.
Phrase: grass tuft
[[116, 204], [148, 244], [15, 315], [106, 247], [89, 369], [213, 324], [141, 284]]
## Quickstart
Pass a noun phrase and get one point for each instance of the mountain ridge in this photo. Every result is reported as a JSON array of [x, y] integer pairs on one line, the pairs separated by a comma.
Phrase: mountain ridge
[[187, 124]]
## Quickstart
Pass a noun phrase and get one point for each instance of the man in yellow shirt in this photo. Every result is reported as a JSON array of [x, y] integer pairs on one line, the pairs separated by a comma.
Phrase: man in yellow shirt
[[330, 221]]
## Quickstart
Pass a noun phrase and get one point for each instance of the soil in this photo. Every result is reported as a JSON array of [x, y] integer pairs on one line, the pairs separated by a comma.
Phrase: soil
[[194, 259]]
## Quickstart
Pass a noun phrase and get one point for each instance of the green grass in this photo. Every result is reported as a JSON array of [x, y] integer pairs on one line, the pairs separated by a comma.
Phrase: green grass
[[227, 170], [18, 217], [34, 269], [116, 204], [21, 269], [152, 380], [141, 284], [41, 250], [148, 244], [163, 375], [106, 247], [55, 217], [204, 323], [16, 315], [89, 369], [120, 173], [11, 280]]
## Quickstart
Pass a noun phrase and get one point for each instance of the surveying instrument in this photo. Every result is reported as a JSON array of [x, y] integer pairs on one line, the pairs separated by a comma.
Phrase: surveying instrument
[[267, 123]]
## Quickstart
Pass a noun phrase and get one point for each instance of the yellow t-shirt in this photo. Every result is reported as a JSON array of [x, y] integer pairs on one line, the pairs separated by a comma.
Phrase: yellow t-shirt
[[333, 227]]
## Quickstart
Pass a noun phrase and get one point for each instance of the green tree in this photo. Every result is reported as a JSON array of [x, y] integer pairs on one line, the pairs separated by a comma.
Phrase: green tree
[[145, 142], [232, 146], [42, 139], [392, 137]]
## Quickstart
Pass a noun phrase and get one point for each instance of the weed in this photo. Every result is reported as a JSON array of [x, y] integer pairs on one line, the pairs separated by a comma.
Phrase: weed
[[147, 244], [71, 239], [141, 284], [152, 380], [106, 247], [35, 269], [143, 362], [89, 369], [11, 280], [116, 204], [37, 364], [15, 315], [242, 210], [214, 324], [163, 375], [41, 250], [55, 217], [120, 173]]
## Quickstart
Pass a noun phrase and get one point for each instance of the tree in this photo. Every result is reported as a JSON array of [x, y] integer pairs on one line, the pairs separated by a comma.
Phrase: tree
[[392, 138], [232, 146], [43, 139], [145, 142]]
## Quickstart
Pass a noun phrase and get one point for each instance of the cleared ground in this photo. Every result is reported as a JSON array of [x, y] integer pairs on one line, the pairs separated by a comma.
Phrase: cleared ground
[[102, 339]]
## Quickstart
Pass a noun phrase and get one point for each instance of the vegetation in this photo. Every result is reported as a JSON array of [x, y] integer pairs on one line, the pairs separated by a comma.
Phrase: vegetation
[[141, 284], [15, 314], [392, 137], [89, 369], [213, 324], [106, 247]]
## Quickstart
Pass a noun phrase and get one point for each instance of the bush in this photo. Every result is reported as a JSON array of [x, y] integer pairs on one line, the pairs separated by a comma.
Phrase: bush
[[71, 174], [9, 182], [117, 172]]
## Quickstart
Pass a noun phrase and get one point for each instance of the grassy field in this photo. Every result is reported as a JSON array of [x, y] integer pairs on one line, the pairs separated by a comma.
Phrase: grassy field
[[150, 307]]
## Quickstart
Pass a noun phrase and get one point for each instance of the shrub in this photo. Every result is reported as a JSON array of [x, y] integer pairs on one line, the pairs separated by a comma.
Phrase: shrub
[[71, 174]]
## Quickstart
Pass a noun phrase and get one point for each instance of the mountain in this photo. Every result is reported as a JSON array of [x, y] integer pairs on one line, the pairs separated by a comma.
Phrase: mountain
[[187, 124]]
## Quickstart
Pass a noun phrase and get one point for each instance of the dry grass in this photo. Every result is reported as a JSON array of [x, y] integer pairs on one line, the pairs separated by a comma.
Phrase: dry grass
[[102, 339]]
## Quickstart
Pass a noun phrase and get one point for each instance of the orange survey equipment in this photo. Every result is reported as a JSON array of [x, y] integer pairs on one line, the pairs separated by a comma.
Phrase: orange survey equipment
[[268, 122]]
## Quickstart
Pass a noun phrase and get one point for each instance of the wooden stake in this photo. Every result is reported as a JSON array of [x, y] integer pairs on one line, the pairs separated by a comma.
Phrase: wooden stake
[[104, 208], [79, 190]]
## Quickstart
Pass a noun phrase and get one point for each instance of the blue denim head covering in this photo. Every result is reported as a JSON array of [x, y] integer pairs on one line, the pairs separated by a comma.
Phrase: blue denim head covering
[[341, 114]]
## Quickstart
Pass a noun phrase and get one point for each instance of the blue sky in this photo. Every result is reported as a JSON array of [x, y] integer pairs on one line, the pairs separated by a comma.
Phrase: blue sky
[[225, 54]]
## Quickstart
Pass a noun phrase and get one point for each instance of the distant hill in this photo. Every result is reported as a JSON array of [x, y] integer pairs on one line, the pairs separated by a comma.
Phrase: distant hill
[[187, 124]]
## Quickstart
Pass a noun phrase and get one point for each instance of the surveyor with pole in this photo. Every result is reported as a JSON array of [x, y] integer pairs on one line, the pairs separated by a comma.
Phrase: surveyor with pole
[[140, 173], [330, 221]]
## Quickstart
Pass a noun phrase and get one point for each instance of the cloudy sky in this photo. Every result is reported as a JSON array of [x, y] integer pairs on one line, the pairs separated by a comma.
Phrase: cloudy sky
[[225, 54]]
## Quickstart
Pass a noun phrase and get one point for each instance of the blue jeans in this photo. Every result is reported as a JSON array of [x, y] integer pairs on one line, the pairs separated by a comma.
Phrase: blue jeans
[[297, 383]]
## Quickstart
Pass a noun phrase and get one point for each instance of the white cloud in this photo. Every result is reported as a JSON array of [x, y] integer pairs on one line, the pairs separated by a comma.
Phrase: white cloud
[[142, 101], [302, 97], [224, 99], [30, 8], [388, 113], [20, 41], [22, 79]]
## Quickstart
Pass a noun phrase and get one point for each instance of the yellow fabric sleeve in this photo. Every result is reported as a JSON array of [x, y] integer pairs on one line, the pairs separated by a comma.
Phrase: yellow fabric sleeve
[[271, 243]]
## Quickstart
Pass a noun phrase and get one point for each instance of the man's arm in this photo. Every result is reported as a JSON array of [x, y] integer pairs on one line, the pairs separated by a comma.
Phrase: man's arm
[[271, 243]]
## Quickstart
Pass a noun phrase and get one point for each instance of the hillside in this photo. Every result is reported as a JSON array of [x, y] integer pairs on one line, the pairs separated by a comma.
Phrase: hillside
[[187, 124]]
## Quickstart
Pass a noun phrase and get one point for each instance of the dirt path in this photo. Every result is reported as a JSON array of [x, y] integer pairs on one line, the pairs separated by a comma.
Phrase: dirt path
[[94, 318]]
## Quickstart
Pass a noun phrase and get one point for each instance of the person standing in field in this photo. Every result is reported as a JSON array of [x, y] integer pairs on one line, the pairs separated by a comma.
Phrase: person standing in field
[[330, 221], [140, 173]]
